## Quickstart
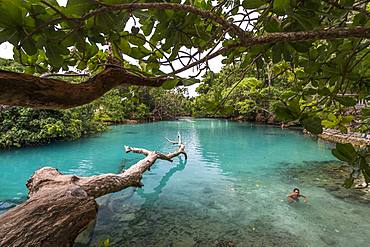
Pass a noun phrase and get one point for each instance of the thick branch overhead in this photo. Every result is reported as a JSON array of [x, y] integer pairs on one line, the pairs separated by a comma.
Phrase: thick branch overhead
[[26, 90]]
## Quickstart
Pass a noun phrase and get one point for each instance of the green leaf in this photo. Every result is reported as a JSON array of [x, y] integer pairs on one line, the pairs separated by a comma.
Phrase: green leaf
[[328, 124], [365, 168], [169, 84], [366, 174], [347, 3], [124, 46], [272, 25], [136, 53], [359, 19], [10, 35], [346, 100], [107, 22], [332, 117], [144, 50], [137, 39], [174, 52], [324, 91], [79, 7], [365, 112], [91, 50], [12, 13], [294, 108], [191, 81], [312, 67], [29, 47], [253, 4], [283, 113], [54, 56], [277, 50], [281, 6], [345, 152], [343, 129], [312, 124], [347, 119], [147, 27], [303, 46]]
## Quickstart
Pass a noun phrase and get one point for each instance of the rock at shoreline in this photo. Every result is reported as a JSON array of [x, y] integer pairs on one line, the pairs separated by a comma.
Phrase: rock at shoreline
[[356, 139]]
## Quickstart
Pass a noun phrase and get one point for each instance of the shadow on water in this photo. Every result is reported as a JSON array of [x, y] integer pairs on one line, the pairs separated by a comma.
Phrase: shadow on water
[[10, 203], [130, 132], [150, 198], [118, 209]]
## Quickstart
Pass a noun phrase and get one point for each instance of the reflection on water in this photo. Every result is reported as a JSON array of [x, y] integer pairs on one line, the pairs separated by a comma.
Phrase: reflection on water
[[230, 192]]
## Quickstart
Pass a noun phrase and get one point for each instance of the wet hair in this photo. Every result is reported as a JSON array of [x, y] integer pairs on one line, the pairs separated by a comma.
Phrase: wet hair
[[296, 189]]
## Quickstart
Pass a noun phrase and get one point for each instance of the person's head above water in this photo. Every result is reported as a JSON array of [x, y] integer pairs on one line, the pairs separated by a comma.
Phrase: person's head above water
[[293, 196]]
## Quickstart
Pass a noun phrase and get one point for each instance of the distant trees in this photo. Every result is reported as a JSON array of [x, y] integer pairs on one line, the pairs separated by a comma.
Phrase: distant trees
[[20, 126]]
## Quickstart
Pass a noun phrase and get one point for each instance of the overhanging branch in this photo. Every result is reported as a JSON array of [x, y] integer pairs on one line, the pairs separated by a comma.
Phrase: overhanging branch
[[26, 90]]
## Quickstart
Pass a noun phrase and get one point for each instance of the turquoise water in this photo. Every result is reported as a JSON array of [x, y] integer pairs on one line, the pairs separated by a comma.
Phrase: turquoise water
[[230, 191]]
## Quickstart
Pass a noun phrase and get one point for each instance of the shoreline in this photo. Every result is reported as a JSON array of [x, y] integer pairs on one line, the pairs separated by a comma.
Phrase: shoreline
[[328, 135], [335, 136], [356, 139]]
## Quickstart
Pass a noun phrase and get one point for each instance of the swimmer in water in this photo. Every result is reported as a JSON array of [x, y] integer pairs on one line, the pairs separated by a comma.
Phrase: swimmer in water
[[295, 195]]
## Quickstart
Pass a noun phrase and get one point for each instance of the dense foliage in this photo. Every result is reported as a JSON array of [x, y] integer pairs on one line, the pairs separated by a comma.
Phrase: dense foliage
[[21, 126], [233, 93], [24, 126], [142, 103]]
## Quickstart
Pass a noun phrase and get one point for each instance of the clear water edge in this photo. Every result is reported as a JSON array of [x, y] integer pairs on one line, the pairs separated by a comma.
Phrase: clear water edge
[[229, 191]]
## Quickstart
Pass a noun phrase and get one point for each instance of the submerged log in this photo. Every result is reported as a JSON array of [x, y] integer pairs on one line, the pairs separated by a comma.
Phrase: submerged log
[[60, 206]]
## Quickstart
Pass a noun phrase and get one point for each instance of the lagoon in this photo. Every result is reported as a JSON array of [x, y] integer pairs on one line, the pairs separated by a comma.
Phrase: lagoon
[[230, 192]]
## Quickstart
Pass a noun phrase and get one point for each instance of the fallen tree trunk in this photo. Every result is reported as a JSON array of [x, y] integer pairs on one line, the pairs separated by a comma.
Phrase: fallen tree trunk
[[61, 206]]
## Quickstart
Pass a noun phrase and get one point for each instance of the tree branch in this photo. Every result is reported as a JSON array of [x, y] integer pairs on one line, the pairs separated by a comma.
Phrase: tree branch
[[329, 34], [27, 90]]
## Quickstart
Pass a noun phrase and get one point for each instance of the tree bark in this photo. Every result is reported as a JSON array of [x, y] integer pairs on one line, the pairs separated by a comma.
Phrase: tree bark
[[26, 90], [61, 206]]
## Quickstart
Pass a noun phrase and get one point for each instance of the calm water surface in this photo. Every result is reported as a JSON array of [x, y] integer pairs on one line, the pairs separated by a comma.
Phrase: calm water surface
[[230, 192]]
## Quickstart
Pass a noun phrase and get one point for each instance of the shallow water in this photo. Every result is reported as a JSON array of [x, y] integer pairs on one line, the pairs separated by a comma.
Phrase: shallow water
[[230, 192]]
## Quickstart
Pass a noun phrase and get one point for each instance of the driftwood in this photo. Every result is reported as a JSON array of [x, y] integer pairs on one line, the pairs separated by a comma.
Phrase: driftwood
[[60, 206]]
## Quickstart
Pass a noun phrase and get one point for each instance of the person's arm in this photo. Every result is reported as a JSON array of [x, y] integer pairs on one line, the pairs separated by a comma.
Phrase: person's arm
[[290, 199], [305, 200]]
